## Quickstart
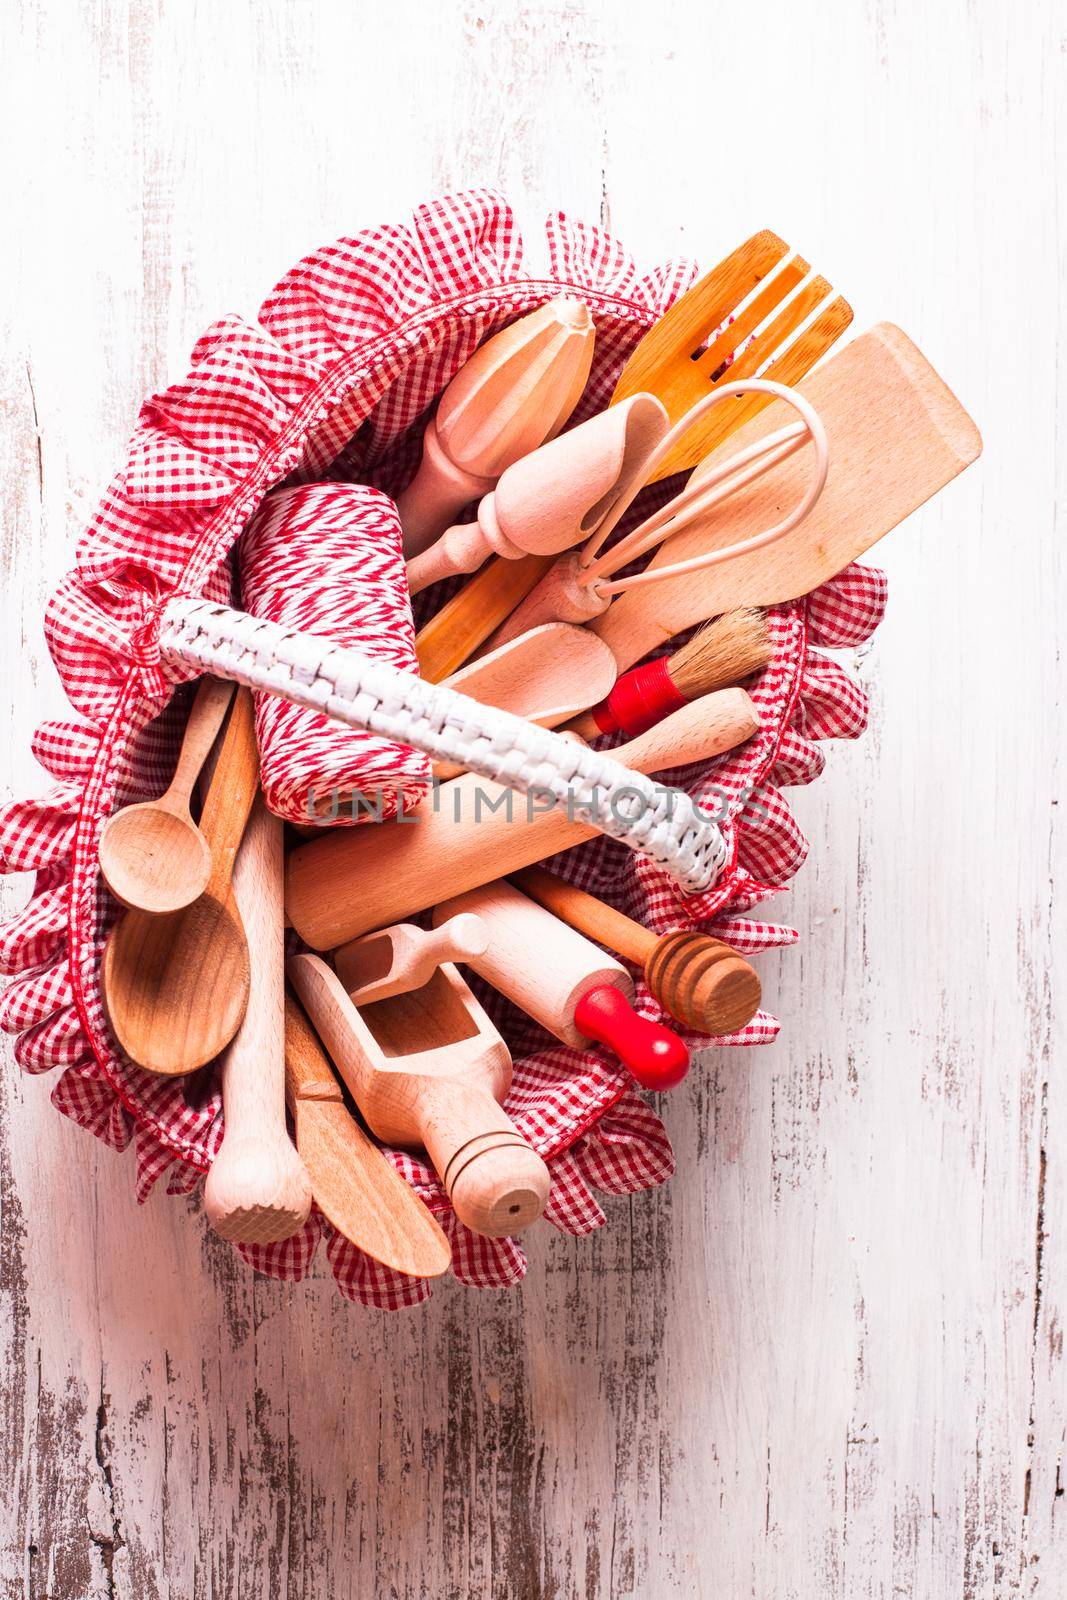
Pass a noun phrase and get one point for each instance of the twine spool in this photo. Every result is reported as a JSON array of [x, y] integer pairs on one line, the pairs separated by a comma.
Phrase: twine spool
[[327, 558]]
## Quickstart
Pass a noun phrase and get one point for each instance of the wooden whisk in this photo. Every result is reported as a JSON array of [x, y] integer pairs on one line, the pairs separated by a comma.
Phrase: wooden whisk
[[581, 584]]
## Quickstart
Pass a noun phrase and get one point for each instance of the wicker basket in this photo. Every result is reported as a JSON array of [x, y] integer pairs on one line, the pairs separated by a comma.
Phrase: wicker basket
[[335, 380]]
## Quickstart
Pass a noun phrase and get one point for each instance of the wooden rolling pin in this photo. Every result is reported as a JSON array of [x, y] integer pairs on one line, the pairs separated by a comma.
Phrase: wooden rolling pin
[[428, 1068], [699, 980], [565, 982], [365, 878], [257, 1190]]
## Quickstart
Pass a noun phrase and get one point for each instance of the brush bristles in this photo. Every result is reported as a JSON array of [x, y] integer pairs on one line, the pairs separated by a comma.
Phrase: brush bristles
[[729, 649]]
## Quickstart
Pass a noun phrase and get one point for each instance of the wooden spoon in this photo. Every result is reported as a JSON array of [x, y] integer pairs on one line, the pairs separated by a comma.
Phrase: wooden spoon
[[153, 856], [176, 986], [544, 675]]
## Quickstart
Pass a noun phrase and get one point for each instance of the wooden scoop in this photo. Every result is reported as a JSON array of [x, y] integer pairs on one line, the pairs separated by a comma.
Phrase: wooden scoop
[[553, 498], [405, 957], [355, 1186], [544, 675], [153, 856], [176, 986], [429, 1069], [340, 887], [257, 1190]]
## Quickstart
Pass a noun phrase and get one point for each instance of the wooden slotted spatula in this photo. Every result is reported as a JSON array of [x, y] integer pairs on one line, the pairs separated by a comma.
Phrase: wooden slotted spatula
[[748, 308]]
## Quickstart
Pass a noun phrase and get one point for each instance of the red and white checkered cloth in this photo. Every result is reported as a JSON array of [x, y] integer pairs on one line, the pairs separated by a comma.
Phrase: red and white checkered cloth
[[335, 379]]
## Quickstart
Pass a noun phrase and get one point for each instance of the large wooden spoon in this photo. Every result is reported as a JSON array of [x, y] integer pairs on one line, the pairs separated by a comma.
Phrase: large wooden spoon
[[176, 986], [153, 856]]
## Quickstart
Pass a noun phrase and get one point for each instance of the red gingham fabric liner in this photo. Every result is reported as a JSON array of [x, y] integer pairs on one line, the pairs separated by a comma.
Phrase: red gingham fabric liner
[[335, 379]]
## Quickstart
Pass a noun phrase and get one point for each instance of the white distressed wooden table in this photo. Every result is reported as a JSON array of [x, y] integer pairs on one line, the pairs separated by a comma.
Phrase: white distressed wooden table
[[828, 1360]]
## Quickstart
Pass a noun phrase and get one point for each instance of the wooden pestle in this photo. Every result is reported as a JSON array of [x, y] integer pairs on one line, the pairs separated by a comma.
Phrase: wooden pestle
[[702, 982], [257, 1190], [352, 882]]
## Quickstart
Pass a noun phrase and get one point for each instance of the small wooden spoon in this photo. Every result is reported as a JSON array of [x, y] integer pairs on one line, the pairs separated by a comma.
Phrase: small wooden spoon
[[153, 856], [544, 675], [176, 986]]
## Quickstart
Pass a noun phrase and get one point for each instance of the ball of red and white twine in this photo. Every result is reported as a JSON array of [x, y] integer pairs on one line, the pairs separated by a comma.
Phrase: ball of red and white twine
[[327, 558]]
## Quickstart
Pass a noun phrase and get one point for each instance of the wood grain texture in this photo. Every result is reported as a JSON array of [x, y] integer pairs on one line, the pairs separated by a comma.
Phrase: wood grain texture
[[827, 1361]]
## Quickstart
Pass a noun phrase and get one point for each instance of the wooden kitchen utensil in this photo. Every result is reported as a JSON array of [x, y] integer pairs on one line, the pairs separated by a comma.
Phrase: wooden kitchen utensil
[[356, 1187], [581, 584], [544, 676], [351, 882], [405, 957], [516, 391], [176, 986], [257, 1190], [428, 1069], [702, 982], [726, 651], [897, 435], [481, 608], [706, 339], [153, 856], [553, 498], [566, 983]]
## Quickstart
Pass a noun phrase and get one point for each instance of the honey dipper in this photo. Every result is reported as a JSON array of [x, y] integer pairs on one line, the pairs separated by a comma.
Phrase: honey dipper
[[702, 982]]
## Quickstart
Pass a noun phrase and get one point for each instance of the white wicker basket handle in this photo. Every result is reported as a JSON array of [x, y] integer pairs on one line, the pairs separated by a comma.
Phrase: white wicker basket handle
[[310, 671]]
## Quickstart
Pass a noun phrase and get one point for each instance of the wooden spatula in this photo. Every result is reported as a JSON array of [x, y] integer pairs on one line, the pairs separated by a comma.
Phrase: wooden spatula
[[354, 1185], [687, 351], [897, 434]]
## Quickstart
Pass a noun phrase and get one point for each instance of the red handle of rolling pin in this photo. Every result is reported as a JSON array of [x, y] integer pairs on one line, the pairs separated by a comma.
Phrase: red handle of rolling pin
[[657, 1057]]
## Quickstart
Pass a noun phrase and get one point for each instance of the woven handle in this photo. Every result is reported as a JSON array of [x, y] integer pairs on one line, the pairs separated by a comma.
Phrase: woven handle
[[663, 824]]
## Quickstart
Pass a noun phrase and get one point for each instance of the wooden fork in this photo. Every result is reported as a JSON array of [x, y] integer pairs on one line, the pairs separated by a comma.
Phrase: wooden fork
[[688, 351]]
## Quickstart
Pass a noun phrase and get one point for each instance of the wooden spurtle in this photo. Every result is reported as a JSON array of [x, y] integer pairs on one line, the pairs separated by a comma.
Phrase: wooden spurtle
[[702, 982], [705, 340], [257, 1190], [544, 675], [516, 391], [176, 986], [429, 1069], [897, 434], [405, 957], [355, 1186], [727, 651], [566, 983], [153, 856], [340, 887]]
